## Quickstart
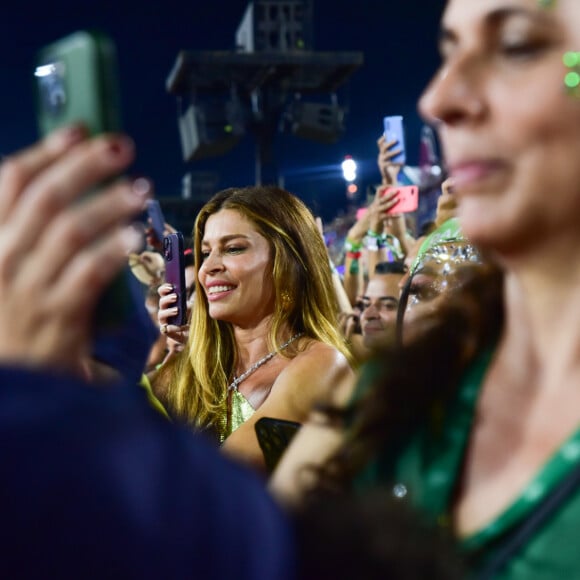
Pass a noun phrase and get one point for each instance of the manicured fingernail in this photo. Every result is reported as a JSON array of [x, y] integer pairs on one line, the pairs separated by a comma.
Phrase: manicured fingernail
[[120, 146], [75, 133], [71, 134], [142, 187], [132, 239]]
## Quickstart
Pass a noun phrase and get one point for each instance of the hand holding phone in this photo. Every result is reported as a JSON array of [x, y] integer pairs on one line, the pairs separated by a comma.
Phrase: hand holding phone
[[77, 84], [447, 187], [407, 196], [394, 131], [175, 275]]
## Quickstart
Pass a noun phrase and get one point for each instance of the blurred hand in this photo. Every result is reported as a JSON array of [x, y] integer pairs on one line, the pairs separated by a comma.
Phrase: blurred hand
[[148, 267], [320, 227], [446, 204], [359, 229], [151, 238], [378, 209], [348, 323], [57, 256], [389, 170]]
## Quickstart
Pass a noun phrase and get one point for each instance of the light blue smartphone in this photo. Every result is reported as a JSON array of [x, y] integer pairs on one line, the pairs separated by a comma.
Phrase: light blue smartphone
[[394, 131]]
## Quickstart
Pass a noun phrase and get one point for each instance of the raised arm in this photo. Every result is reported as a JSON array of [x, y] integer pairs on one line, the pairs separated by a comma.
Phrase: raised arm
[[311, 377]]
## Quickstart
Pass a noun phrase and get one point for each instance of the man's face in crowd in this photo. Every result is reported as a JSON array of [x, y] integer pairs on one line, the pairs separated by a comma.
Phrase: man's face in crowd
[[380, 303]]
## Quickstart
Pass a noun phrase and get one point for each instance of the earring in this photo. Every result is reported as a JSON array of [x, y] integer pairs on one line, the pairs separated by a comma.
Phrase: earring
[[286, 300], [571, 61]]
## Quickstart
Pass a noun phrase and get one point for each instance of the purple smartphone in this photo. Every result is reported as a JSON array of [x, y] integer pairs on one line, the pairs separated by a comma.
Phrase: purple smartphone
[[175, 275], [394, 131]]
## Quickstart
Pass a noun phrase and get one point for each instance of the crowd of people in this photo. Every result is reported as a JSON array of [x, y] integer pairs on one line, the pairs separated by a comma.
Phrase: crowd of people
[[421, 406]]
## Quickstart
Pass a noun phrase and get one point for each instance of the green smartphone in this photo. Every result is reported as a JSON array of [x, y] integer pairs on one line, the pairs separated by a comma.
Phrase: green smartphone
[[77, 82]]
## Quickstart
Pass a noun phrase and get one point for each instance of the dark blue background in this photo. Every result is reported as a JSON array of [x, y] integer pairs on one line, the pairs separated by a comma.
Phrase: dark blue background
[[398, 40]]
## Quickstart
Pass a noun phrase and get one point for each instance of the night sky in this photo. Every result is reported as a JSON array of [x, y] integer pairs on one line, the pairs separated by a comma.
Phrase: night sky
[[398, 40]]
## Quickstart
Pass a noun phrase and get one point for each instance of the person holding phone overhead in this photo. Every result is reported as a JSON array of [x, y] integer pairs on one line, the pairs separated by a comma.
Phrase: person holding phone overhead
[[263, 335], [480, 430], [380, 232]]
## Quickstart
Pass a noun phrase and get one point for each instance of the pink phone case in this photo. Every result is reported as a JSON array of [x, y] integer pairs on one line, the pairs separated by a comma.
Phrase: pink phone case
[[408, 199]]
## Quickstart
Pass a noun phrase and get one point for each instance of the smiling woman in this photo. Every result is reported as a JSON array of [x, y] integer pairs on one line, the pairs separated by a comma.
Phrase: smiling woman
[[235, 272], [263, 337]]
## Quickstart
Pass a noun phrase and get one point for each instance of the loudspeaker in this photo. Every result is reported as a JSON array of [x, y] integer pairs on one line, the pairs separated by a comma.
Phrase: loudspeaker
[[318, 122], [206, 131]]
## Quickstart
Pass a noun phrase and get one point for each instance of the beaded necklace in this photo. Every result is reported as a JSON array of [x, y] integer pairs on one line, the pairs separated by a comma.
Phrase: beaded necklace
[[233, 386]]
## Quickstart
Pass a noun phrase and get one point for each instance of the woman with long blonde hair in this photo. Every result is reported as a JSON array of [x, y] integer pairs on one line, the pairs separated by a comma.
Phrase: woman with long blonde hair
[[263, 338]]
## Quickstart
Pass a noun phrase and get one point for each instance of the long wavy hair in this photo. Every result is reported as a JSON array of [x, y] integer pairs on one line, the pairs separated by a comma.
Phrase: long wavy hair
[[304, 300], [409, 383]]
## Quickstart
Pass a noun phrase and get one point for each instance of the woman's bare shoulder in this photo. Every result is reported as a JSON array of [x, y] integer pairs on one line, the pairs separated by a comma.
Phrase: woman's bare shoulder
[[322, 365], [319, 357], [314, 349]]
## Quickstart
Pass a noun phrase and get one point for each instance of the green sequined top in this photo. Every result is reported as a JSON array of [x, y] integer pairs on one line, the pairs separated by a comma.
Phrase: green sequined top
[[239, 412], [427, 470]]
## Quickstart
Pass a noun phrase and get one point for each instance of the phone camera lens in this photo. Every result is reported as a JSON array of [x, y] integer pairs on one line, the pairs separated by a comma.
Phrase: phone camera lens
[[52, 88]]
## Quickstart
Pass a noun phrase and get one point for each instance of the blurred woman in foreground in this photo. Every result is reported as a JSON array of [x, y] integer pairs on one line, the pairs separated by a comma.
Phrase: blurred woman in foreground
[[475, 420]]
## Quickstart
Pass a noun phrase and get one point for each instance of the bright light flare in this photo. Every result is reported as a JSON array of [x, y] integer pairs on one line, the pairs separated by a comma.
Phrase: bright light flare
[[349, 169]]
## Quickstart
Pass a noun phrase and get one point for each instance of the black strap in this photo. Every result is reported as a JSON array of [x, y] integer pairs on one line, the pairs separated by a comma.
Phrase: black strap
[[532, 523]]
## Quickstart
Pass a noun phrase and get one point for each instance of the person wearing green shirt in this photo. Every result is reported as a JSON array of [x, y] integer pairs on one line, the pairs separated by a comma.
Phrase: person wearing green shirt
[[474, 419]]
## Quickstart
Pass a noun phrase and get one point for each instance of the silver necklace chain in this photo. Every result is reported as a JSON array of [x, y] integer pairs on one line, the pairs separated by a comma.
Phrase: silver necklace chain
[[233, 386]]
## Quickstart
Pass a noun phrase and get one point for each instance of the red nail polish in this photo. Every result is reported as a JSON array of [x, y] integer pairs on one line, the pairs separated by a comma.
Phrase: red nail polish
[[115, 148], [119, 146]]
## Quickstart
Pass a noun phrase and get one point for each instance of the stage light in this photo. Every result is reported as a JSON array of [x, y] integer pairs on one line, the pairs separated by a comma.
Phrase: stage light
[[349, 169]]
